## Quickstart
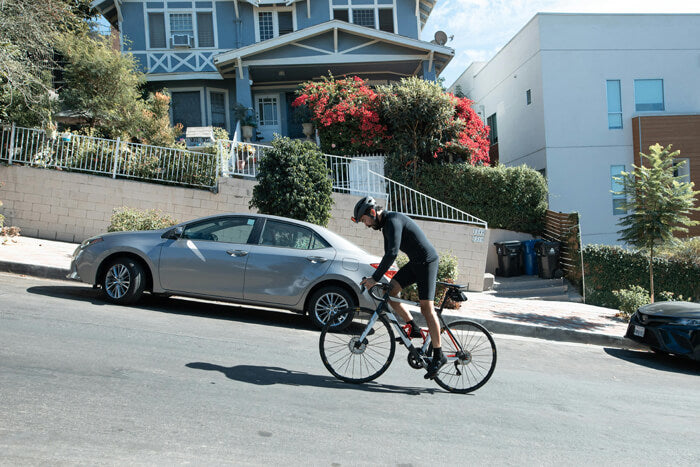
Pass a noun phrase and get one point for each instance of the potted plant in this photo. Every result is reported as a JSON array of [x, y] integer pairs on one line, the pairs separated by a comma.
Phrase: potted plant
[[247, 125], [302, 114]]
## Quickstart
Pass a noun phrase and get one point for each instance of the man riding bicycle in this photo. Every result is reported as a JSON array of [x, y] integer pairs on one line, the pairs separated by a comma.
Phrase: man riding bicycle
[[402, 233]]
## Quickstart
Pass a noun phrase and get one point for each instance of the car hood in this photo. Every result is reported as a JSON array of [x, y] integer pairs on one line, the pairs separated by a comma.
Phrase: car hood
[[673, 309]]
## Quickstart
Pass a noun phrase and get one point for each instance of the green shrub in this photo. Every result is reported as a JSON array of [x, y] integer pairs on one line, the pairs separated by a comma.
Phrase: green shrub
[[126, 218], [687, 250], [293, 181], [611, 268], [512, 198], [631, 299], [447, 272]]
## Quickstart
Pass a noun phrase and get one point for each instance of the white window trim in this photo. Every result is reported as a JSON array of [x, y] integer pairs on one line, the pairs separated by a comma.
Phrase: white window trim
[[166, 18], [279, 108], [202, 104], [210, 120], [685, 170], [275, 20], [376, 6]]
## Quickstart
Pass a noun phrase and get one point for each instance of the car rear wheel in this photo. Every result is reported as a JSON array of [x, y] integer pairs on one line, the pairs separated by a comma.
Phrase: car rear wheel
[[327, 302], [124, 281]]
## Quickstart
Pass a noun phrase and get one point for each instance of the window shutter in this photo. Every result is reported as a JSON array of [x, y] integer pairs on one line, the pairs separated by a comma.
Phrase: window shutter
[[156, 29], [205, 30]]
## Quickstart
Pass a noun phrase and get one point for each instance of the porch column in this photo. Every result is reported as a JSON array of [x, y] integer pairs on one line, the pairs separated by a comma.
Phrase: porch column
[[429, 70], [243, 94]]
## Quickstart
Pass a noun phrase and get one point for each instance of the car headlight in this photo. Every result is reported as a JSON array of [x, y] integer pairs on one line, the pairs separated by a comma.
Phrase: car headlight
[[91, 241], [686, 322]]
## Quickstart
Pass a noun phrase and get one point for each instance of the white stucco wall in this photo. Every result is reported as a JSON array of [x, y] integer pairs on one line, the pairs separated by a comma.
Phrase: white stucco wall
[[565, 59]]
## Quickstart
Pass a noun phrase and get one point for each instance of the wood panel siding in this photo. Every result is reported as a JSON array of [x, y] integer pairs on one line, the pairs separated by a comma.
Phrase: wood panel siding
[[681, 131]]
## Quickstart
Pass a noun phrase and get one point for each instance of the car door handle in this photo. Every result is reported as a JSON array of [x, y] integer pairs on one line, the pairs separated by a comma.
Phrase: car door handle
[[317, 259], [237, 252]]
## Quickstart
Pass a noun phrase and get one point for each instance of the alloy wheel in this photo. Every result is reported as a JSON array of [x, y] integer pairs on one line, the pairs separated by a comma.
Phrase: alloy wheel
[[117, 281]]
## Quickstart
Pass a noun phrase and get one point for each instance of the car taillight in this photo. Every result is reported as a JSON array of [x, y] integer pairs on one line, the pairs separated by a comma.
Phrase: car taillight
[[390, 273]]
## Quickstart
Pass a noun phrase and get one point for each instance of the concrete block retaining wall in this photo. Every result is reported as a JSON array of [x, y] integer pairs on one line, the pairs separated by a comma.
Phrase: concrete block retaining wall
[[71, 207]]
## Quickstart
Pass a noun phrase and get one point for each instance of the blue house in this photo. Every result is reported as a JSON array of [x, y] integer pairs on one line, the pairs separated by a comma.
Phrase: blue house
[[218, 54]]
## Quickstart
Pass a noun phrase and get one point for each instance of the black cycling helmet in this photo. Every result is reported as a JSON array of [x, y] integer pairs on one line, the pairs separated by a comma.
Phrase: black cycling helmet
[[362, 207]]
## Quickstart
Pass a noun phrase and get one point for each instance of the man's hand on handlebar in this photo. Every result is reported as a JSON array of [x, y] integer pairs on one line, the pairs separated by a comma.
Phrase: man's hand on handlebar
[[368, 283]]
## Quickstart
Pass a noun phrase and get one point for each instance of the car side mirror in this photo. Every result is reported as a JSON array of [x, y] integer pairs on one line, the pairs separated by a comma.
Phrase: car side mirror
[[173, 234]]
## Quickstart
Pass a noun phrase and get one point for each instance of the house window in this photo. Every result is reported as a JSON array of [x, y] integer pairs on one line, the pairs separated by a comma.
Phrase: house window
[[614, 104], [616, 187], [528, 97], [271, 23], [648, 94], [217, 102], [196, 25], [368, 13], [186, 108], [493, 133], [156, 31], [267, 111], [681, 170]]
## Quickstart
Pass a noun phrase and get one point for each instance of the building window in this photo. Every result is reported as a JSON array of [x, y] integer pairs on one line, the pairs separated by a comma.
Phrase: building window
[[186, 108], [681, 170], [217, 102], [364, 13], [156, 31], [191, 28], [267, 111], [271, 23], [616, 187], [493, 133], [528, 97], [614, 104], [648, 95]]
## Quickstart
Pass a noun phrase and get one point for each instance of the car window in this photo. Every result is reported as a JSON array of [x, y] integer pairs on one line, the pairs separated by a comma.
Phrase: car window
[[285, 235], [221, 229], [318, 243]]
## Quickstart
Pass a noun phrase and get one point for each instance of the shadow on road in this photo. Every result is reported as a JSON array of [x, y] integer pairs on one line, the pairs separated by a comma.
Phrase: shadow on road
[[267, 375], [183, 306], [656, 361]]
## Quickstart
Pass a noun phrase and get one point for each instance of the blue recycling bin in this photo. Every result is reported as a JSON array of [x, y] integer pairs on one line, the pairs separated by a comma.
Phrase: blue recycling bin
[[530, 256]]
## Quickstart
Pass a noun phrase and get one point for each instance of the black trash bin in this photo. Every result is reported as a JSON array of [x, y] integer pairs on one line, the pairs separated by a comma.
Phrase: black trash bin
[[509, 258], [548, 259]]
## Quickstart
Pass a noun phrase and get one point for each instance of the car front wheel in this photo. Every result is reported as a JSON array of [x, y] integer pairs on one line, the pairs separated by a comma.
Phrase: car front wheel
[[123, 281], [327, 302]]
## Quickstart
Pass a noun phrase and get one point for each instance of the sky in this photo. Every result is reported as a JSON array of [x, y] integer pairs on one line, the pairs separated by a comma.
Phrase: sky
[[482, 27]]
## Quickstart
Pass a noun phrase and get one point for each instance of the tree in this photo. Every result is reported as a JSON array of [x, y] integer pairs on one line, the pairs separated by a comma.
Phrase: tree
[[294, 182], [28, 31], [658, 201], [102, 85]]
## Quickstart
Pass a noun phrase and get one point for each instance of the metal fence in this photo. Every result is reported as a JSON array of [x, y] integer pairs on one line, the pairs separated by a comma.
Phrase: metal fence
[[77, 153], [115, 158]]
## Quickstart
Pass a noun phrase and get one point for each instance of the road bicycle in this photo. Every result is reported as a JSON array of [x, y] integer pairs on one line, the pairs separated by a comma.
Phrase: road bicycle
[[358, 344]]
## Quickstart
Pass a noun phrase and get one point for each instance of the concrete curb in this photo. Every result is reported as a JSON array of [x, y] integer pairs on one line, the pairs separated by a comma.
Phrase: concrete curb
[[45, 272], [494, 326], [543, 332]]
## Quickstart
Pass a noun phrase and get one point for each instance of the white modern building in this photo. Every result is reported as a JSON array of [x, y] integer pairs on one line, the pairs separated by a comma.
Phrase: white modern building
[[577, 96]]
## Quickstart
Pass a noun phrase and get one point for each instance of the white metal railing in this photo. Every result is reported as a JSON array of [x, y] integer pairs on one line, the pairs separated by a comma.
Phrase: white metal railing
[[88, 154], [351, 175]]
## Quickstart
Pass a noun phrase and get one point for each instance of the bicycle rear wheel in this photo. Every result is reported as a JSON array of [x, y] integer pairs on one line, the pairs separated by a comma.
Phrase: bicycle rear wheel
[[356, 360], [471, 357]]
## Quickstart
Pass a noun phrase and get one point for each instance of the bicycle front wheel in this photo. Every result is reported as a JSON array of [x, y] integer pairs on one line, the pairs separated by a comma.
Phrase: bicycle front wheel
[[354, 359], [471, 357]]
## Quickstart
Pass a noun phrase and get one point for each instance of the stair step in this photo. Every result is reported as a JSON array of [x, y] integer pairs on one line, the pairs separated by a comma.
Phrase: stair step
[[524, 284], [550, 298], [532, 291]]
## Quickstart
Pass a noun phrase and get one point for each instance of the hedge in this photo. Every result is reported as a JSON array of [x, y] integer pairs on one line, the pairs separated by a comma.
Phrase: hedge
[[511, 198], [610, 268]]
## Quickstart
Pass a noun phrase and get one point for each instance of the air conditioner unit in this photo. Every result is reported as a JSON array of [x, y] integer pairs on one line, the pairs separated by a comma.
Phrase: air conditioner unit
[[182, 40]]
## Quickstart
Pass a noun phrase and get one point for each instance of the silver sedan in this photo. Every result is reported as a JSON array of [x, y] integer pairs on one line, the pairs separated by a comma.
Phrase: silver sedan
[[246, 258]]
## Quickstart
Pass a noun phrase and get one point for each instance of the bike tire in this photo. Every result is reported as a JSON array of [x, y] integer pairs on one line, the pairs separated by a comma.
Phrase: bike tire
[[353, 361], [471, 367]]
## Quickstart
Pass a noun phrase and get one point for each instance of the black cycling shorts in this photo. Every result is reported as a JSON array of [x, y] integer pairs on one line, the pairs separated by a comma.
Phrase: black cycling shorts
[[422, 274]]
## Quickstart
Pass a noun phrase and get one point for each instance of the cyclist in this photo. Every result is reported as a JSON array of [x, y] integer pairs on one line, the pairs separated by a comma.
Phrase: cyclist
[[402, 233]]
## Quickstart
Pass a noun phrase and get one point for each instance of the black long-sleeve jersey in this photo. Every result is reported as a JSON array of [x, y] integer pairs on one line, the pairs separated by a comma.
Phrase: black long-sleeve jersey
[[402, 233]]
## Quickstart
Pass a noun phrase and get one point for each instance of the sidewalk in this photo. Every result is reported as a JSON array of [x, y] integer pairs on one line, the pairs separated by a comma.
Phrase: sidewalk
[[560, 321]]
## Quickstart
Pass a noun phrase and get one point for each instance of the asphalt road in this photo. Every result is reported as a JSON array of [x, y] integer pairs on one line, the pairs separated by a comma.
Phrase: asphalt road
[[176, 381]]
